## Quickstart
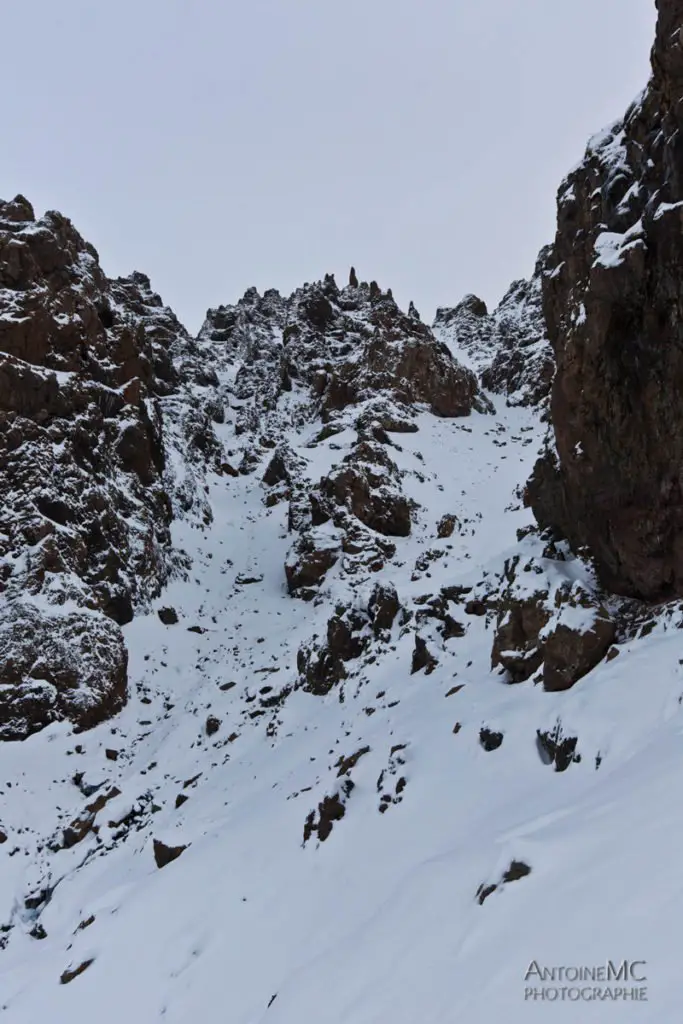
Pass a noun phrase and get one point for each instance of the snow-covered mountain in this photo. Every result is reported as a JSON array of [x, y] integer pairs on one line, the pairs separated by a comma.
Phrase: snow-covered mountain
[[509, 347], [305, 717]]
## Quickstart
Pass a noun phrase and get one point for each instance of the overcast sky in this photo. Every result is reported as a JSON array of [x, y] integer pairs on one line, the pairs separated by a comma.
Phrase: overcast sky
[[216, 145]]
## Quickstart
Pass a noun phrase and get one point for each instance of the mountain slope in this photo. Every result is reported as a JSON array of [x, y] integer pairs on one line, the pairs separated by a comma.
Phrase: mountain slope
[[369, 743], [339, 824], [381, 920]]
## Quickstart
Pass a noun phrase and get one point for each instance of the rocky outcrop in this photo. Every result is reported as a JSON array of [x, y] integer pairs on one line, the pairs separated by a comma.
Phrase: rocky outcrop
[[350, 359], [58, 665], [368, 484], [311, 556], [610, 479], [322, 667], [85, 365], [350, 633], [344, 347], [508, 347], [383, 607], [164, 855], [516, 644], [547, 621]]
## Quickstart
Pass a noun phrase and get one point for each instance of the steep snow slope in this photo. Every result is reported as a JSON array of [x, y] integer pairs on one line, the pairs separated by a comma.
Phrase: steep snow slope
[[380, 921]]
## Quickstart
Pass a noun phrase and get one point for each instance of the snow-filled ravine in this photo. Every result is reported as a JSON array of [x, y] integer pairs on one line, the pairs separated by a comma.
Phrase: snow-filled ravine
[[383, 922]]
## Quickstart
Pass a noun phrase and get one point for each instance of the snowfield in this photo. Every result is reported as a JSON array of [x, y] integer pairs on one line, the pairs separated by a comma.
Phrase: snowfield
[[383, 922]]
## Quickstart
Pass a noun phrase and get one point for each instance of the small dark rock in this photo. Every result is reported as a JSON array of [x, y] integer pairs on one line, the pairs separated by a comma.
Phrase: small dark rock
[[163, 854], [345, 764], [446, 526], [490, 740], [422, 658], [69, 974], [556, 748], [518, 869], [168, 616], [484, 891], [213, 724]]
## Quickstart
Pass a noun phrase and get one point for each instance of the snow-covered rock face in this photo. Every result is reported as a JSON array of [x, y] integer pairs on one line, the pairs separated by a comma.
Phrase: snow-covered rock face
[[508, 347], [613, 298], [85, 513], [344, 346], [109, 411]]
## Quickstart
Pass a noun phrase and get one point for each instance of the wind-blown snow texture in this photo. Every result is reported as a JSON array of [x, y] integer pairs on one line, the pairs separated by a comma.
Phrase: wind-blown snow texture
[[331, 840]]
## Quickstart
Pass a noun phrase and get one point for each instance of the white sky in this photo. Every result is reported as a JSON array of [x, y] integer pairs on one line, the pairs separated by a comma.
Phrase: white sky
[[216, 145]]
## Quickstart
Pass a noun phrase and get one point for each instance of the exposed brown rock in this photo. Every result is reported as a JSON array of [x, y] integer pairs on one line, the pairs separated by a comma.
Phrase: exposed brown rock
[[383, 606], [484, 891], [368, 485], [562, 629], [613, 300], [85, 365], [319, 670], [323, 666], [83, 825], [437, 608], [516, 642], [312, 556], [72, 973], [345, 764], [347, 345], [344, 639], [164, 855], [446, 526], [212, 726], [568, 654], [330, 809], [422, 657]]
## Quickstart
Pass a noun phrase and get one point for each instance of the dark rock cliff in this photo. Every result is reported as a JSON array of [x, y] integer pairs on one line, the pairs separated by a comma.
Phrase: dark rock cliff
[[613, 300]]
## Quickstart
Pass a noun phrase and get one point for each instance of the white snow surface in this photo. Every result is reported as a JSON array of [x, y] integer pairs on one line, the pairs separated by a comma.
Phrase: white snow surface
[[380, 923]]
